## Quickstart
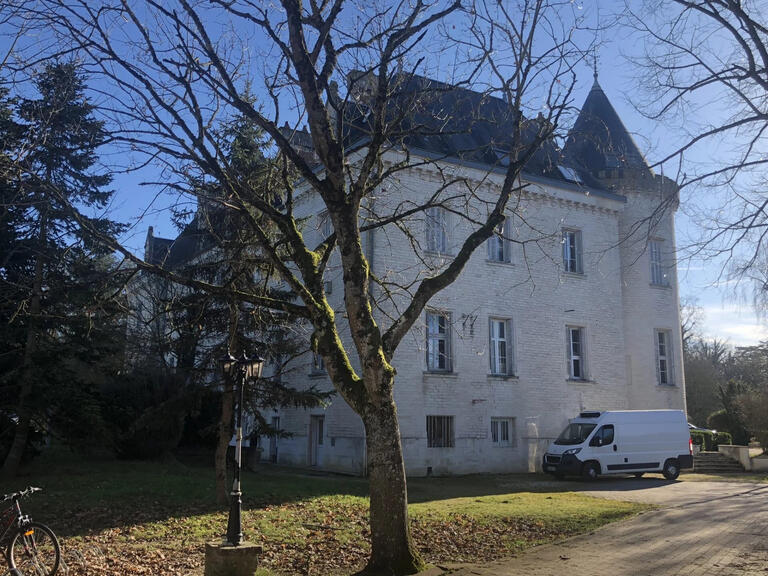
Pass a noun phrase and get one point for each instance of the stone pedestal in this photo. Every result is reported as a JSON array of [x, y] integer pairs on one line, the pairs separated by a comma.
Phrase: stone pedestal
[[226, 560]]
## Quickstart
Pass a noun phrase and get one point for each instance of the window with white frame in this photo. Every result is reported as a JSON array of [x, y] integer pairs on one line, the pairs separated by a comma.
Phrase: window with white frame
[[499, 246], [658, 270], [576, 352], [664, 372], [572, 259], [500, 345], [440, 432], [436, 219], [438, 341], [503, 432]]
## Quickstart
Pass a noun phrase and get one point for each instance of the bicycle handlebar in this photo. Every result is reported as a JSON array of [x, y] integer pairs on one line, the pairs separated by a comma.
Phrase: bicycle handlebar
[[22, 494]]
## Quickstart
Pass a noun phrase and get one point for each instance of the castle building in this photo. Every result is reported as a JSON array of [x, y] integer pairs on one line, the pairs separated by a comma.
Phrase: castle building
[[572, 306]]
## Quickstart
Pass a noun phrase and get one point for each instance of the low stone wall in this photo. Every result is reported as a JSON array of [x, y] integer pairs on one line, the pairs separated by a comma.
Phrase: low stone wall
[[741, 455]]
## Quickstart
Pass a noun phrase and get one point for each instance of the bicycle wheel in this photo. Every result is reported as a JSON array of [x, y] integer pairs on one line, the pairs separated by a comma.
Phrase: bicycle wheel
[[34, 551]]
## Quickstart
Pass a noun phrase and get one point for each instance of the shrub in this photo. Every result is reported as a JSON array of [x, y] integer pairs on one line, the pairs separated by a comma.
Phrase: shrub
[[754, 405], [729, 423], [719, 420], [723, 438], [703, 439], [708, 440], [146, 412]]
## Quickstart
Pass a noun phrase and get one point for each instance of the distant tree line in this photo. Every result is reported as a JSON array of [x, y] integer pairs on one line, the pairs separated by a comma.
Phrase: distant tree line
[[726, 387]]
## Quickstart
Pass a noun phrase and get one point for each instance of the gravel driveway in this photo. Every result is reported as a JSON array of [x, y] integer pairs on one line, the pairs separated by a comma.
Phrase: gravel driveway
[[703, 528]]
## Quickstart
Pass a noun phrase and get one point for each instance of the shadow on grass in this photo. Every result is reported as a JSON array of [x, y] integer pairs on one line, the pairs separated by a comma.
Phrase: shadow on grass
[[86, 495]]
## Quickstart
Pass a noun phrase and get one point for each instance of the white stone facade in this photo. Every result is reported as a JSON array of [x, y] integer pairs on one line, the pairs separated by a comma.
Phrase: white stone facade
[[611, 301]]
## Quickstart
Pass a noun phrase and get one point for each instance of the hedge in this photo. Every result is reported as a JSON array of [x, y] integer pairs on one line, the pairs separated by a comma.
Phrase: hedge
[[708, 440]]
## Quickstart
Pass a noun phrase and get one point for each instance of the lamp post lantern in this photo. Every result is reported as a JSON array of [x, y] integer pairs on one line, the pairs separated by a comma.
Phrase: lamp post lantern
[[240, 369]]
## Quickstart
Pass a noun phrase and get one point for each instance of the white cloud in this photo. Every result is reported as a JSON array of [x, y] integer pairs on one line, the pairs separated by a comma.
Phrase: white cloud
[[737, 324]]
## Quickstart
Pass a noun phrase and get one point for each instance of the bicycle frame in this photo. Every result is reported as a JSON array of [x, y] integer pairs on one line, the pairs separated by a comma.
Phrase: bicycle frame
[[11, 519]]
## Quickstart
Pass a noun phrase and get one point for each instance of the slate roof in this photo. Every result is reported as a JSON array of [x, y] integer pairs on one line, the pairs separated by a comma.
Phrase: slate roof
[[599, 141], [170, 253], [156, 248], [458, 123], [455, 123]]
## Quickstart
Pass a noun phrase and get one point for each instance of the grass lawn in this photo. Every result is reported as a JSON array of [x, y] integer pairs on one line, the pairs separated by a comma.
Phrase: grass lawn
[[125, 518]]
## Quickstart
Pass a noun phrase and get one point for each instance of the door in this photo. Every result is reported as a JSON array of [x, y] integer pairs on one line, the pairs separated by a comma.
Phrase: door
[[605, 448], [316, 434], [273, 439]]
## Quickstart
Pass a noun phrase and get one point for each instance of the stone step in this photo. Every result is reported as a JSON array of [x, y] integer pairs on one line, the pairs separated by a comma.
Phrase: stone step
[[715, 463], [723, 468]]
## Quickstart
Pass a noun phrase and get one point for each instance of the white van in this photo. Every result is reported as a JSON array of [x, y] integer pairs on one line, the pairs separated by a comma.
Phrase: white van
[[622, 442]]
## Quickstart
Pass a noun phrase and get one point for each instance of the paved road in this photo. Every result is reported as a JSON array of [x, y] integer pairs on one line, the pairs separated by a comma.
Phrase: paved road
[[704, 528]]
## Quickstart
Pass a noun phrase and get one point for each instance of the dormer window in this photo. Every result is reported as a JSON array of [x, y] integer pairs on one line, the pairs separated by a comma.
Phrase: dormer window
[[570, 174], [502, 156]]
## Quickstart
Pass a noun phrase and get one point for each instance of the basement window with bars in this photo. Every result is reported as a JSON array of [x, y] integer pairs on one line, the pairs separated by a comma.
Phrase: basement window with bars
[[440, 432]]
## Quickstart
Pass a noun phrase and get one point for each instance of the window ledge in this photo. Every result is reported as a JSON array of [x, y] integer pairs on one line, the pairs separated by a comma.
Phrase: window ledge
[[437, 374], [490, 262], [580, 275], [502, 377], [433, 254], [660, 286], [580, 381], [667, 386]]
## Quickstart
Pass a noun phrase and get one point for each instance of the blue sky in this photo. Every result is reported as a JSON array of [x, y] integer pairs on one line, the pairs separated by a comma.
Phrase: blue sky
[[728, 313]]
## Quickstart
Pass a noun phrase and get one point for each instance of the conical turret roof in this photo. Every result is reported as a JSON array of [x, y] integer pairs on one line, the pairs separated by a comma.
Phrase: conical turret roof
[[599, 140]]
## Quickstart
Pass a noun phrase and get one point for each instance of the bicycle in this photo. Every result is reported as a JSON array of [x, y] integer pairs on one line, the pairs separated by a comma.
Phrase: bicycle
[[30, 548]]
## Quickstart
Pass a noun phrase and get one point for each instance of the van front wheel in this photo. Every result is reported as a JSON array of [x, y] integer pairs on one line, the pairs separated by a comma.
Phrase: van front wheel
[[671, 469], [590, 471]]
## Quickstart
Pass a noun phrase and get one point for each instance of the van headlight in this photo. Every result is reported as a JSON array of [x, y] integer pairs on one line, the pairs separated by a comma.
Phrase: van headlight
[[572, 451]]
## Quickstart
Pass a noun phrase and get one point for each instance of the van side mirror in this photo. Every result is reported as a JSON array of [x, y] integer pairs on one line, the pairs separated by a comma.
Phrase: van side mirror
[[596, 440]]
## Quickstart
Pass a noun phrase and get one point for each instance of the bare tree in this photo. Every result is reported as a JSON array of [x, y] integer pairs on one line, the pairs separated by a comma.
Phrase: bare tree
[[172, 73], [706, 73], [691, 316]]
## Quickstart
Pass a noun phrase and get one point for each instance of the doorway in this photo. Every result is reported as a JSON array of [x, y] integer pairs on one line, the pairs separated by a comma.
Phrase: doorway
[[316, 434], [273, 439]]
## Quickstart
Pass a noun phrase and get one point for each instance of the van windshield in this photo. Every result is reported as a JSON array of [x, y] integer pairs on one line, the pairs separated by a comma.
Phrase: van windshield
[[575, 434]]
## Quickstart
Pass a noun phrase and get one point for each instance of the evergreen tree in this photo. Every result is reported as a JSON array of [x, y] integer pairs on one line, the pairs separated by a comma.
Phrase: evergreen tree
[[55, 280], [191, 330]]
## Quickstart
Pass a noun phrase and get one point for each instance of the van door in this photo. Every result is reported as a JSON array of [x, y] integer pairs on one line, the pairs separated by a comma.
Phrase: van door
[[605, 448]]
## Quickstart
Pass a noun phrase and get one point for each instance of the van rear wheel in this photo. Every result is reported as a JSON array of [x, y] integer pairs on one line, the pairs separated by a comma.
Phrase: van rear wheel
[[590, 471], [671, 469]]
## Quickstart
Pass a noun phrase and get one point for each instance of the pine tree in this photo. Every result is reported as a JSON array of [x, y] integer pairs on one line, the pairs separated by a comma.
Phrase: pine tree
[[54, 277], [199, 328]]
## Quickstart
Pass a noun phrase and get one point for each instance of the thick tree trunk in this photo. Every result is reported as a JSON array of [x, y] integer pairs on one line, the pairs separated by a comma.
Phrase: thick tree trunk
[[222, 445], [392, 549]]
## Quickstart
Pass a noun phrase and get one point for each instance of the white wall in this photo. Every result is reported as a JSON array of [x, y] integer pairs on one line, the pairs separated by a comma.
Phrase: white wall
[[611, 300]]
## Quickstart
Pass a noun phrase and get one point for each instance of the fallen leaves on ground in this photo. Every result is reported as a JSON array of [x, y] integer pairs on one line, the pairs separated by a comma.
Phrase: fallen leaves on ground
[[319, 536]]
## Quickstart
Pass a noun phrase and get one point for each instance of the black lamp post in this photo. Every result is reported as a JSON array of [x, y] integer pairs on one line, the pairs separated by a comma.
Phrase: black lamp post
[[241, 369]]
